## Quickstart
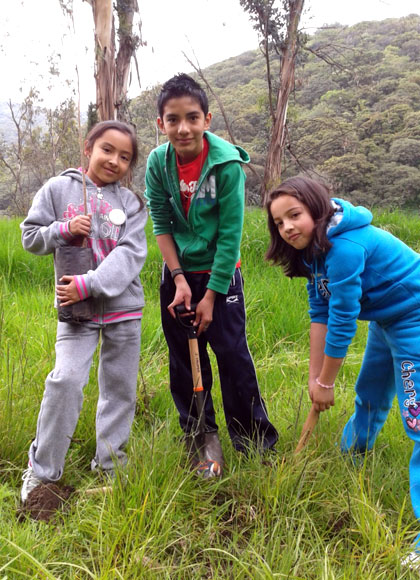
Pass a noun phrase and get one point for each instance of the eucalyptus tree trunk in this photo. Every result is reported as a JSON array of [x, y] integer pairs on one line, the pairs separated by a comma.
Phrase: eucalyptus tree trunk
[[112, 73], [104, 58], [273, 166]]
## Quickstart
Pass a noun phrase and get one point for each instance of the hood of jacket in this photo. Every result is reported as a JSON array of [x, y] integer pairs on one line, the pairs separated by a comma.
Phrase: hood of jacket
[[74, 174], [347, 217], [77, 175]]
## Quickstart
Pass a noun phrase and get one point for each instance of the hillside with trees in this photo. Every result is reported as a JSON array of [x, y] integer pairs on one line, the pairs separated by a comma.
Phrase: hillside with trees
[[353, 117]]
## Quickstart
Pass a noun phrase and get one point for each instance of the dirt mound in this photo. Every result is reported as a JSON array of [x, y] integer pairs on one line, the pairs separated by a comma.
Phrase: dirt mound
[[44, 501]]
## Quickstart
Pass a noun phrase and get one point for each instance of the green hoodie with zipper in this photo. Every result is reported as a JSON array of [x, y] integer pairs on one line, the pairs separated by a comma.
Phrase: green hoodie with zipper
[[209, 237]]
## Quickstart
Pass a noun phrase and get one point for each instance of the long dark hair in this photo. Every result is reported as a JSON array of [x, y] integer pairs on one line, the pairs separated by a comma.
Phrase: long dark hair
[[99, 129], [316, 197]]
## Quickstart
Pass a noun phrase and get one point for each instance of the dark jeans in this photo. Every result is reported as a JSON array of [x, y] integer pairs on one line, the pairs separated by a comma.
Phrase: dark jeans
[[245, 412]]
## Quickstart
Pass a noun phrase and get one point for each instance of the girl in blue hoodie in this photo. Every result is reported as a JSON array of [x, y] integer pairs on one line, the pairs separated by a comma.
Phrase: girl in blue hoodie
[[354, 271]]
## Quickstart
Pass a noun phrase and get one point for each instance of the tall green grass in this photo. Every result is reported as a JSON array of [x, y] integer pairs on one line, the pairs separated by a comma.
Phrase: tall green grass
[[314, 516]]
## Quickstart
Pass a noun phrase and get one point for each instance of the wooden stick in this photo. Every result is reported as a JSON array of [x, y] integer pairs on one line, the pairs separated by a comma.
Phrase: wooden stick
[[308, 427], [95, 490], [79, 123]]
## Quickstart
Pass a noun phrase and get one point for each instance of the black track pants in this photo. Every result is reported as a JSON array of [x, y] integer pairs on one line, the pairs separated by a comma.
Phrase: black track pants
[[244, 408]]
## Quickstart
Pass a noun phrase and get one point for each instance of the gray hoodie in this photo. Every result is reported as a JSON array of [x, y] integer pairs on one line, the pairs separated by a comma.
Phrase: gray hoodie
[[119, 250]]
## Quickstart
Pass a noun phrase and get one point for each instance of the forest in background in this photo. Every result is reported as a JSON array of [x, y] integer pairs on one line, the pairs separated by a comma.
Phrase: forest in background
[[353, 118]]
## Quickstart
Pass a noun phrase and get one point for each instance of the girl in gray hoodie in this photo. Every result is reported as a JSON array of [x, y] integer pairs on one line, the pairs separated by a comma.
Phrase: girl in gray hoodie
[[114, 228]]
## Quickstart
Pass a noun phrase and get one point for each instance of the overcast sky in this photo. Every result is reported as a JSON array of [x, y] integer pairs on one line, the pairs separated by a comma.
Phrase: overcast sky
[[32, 32]]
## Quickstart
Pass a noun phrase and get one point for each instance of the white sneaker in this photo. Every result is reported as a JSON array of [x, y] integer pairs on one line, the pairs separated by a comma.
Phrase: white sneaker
[[412, 561], [30, 482]]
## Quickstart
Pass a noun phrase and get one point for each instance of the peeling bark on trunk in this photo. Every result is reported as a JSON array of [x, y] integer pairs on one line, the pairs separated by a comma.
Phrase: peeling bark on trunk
[[112, 73], [104, 58], [127, 46], [273, 167]]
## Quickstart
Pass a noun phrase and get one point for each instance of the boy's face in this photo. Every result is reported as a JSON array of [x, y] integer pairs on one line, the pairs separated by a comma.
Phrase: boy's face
[[184, 123]]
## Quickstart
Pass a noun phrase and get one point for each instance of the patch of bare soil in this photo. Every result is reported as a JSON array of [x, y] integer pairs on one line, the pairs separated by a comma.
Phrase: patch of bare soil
[[44, 501]]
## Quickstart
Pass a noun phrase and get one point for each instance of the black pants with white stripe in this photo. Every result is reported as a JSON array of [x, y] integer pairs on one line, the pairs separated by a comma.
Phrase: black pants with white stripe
[[245, 412]]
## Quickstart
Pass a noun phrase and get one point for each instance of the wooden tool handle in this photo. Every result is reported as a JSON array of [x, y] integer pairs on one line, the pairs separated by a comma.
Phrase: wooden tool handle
[[308, 427], [195, 365], [198, 388]]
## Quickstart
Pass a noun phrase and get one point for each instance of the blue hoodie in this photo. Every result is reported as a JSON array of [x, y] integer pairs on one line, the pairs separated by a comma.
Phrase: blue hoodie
[[368, 274]]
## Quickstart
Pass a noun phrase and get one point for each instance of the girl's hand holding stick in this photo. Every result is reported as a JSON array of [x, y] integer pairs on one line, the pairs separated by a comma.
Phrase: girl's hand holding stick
[[322, 397], [80, 225]]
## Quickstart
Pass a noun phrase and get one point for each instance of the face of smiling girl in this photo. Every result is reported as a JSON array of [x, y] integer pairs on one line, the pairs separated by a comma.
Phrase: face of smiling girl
[[110, 157], [293, 220]]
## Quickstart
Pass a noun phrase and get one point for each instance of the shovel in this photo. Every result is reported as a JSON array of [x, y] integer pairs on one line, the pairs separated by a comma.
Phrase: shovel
[[205, 445]]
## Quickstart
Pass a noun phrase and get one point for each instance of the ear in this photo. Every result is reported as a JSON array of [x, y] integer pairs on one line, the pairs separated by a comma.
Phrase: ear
[[86, 149], [161, 125], [207, 121]]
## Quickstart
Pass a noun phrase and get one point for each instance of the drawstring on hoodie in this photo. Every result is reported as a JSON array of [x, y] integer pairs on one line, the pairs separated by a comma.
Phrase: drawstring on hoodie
[[334, 221]]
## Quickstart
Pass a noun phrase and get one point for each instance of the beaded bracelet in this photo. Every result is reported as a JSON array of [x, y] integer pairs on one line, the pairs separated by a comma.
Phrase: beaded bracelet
[[176, 271], [324, 386]]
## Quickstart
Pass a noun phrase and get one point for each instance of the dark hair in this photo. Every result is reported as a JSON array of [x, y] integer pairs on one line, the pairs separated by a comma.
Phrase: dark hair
[[182, 85], [316, 197], [99, 129]]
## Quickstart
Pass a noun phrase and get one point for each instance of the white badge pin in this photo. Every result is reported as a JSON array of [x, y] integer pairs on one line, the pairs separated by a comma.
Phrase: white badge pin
[[117, 217]]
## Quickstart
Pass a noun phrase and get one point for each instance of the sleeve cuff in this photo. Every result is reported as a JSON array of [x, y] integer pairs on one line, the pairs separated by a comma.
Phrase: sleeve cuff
[[162, 230], [335, 351], [83, 286], [219, 283], [64, 229], [320, 318]]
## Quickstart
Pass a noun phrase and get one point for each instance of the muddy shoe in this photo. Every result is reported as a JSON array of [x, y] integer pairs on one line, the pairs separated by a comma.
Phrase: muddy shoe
[[30, 482], [43, 502], [412, 561], [209, 469]]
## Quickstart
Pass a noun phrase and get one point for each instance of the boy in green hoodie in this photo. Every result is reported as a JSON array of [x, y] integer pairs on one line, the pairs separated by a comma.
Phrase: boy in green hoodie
[[195, 189]]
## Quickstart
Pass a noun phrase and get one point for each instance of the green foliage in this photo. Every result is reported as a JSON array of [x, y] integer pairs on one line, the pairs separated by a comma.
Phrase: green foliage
[[353, 118], [92, 116], [355, 105], [406, 151], [358, 120], [349, 172], [44, 143]]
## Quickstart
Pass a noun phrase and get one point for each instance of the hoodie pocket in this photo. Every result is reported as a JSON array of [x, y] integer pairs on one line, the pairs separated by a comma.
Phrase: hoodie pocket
[[131, 298]]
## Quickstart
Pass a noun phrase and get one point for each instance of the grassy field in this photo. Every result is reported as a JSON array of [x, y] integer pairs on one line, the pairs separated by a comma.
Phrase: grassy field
[[314, 516]]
